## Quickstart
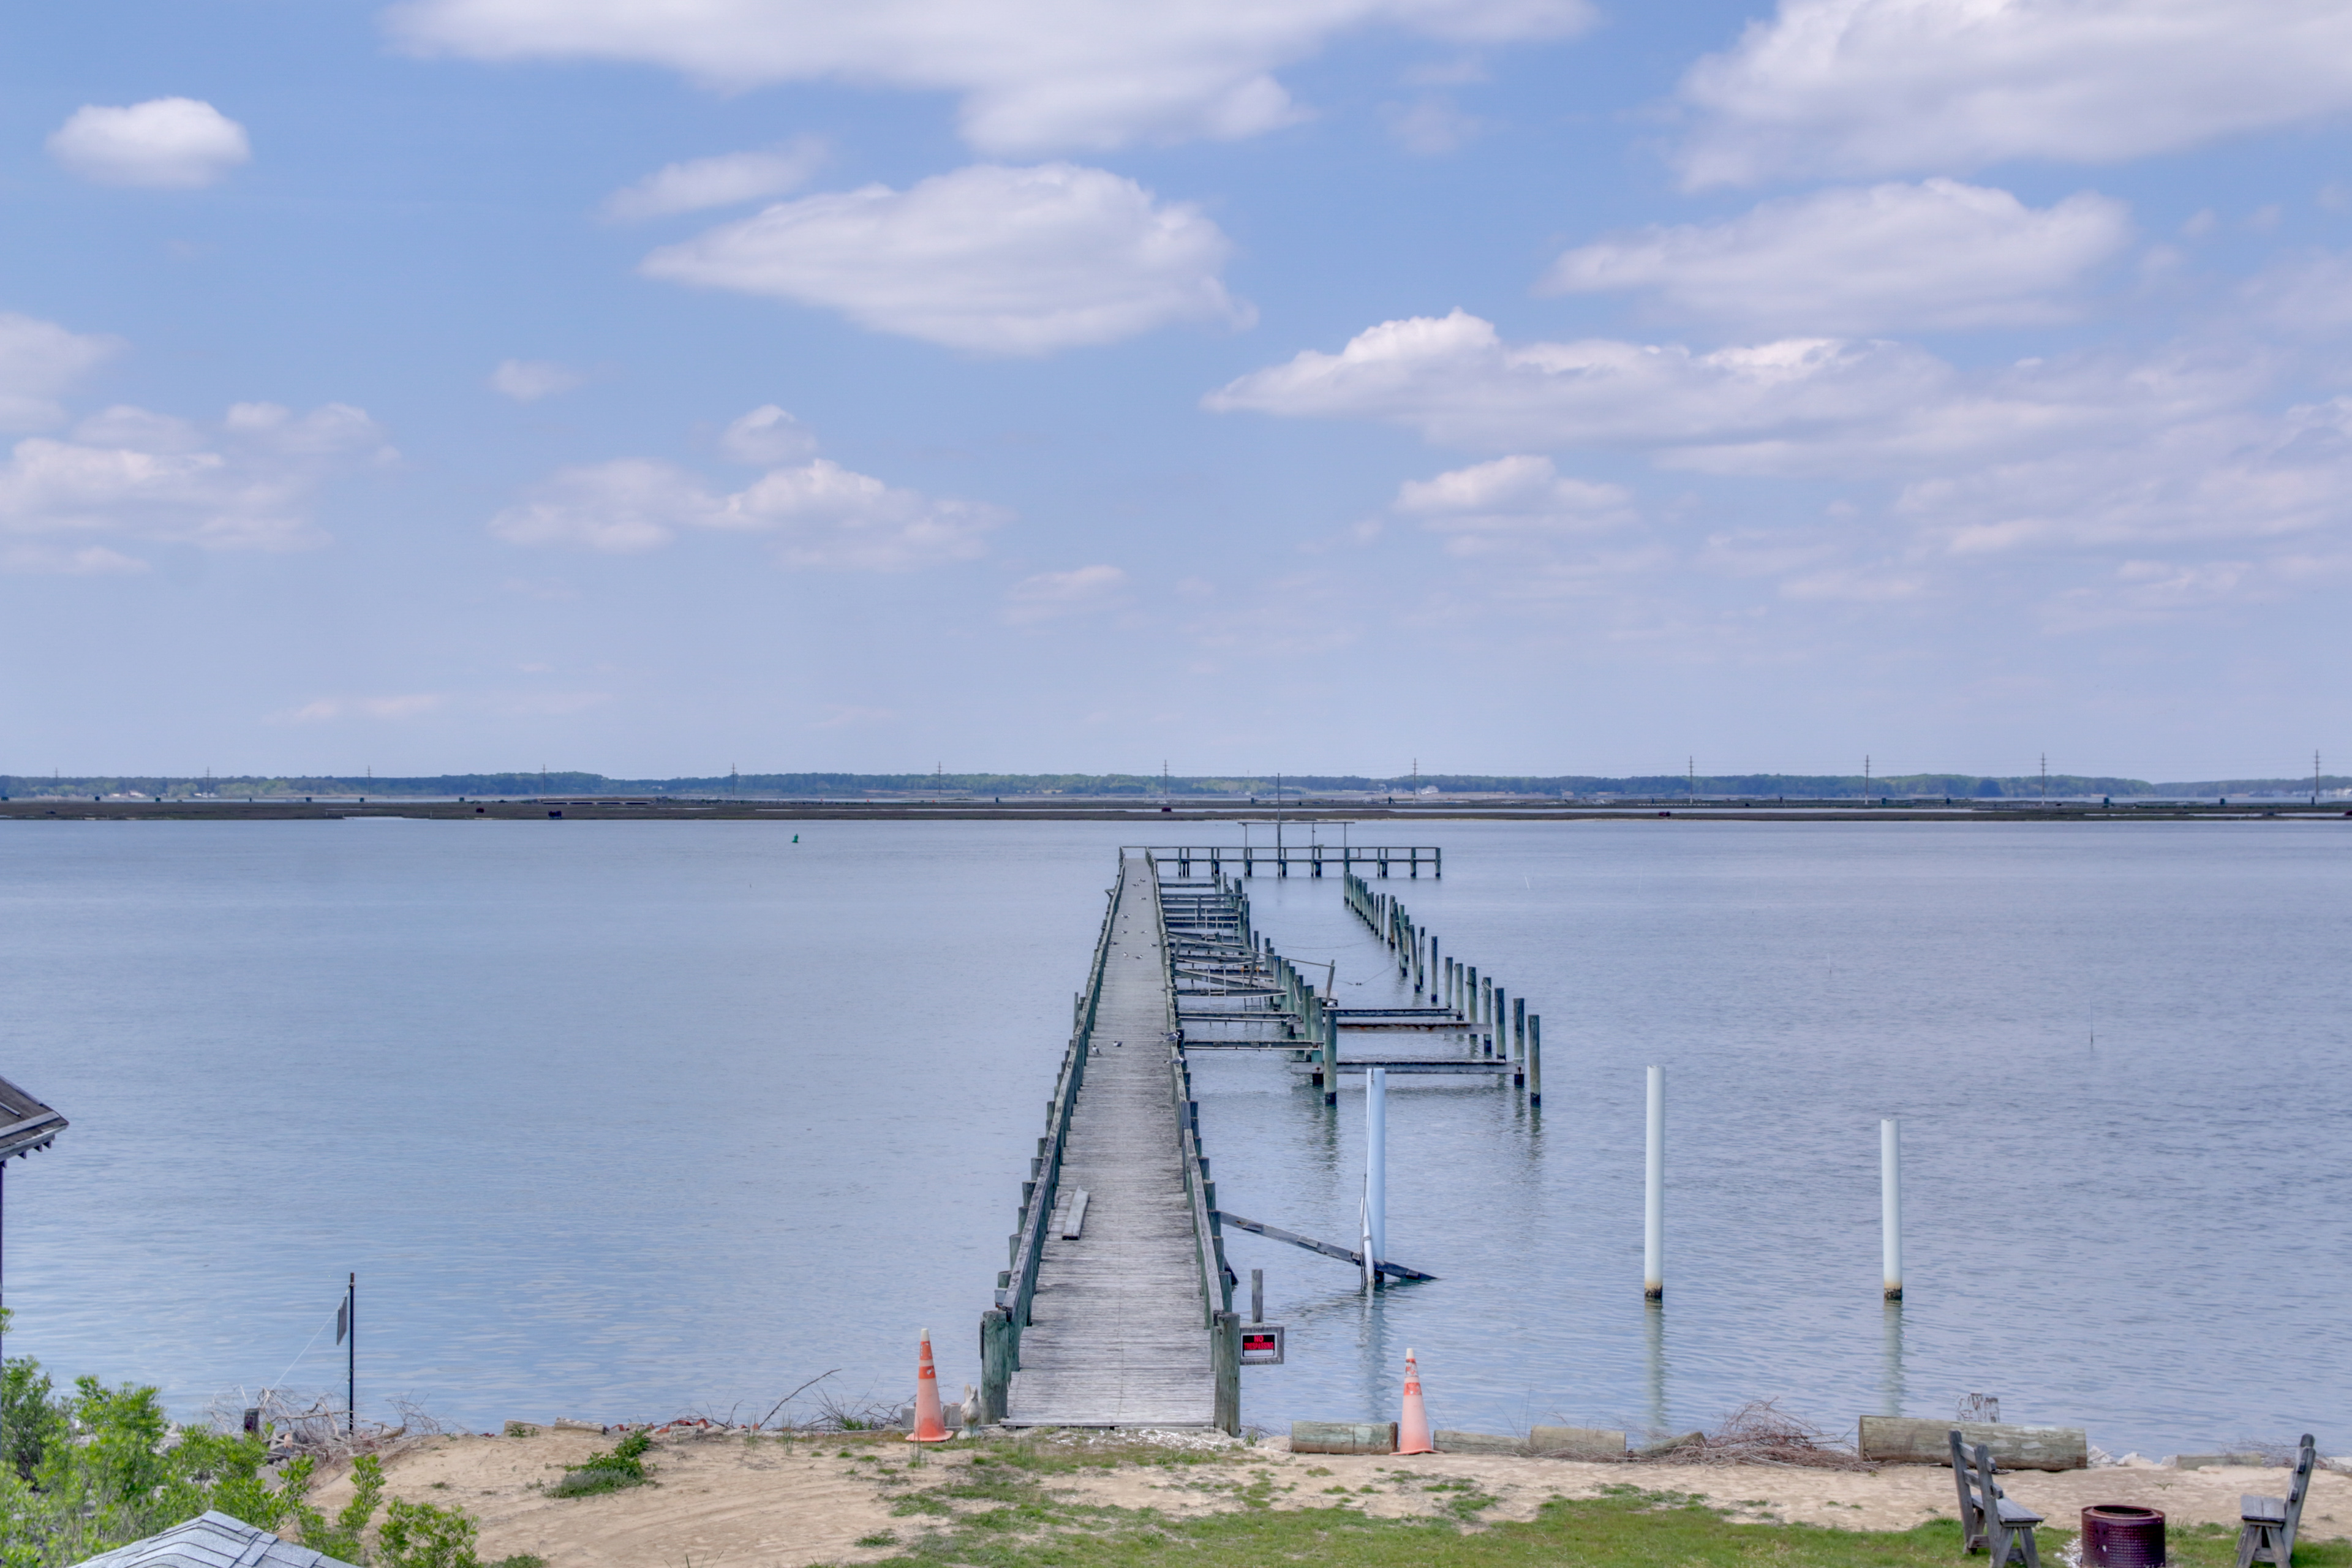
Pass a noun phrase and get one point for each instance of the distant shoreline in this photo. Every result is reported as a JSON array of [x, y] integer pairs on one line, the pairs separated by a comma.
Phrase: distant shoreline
[[1300, 814]]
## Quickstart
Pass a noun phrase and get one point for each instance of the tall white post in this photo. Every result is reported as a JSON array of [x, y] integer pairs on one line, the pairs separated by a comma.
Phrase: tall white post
[[1890, 1205], [1654, 1205], [1376, 1171]]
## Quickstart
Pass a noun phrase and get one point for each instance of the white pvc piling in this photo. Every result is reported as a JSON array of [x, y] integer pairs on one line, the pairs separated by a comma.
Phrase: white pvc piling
[[1654, 1203], [1376, 1171], [1890, 1205]]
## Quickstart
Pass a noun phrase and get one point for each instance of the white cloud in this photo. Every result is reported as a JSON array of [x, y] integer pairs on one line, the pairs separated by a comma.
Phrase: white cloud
[[1935, 256], [990, 260], [2236, 477], [1430, 126], [173, 142], [326, 709], [1512, 504], [819, 514], [40, 360], [767, 435], [1051, 595], [1032, 76], [718, 182], [1880, 87], [245, 484], [528, 380], [1797, 406]]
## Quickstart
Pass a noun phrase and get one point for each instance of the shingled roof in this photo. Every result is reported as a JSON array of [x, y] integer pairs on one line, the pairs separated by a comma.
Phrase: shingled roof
[[213, 1541], [26, 1124]]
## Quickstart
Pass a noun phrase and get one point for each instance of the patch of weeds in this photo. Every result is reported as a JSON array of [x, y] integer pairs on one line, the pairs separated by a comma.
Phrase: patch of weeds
[[879, 1537], [1319, 1471], [920, 1502], [520, 1560], [621, 1466]]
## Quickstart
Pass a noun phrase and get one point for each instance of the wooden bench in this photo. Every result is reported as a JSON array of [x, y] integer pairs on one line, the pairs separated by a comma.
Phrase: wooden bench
[[2267, 1534], [1987, 1519]]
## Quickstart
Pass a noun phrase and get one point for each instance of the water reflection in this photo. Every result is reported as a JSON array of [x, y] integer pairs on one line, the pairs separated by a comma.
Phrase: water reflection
[[1654, 1349], [1890, 1394]]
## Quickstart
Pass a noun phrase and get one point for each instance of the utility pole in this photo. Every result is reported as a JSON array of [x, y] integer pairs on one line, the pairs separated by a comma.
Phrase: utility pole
[[2045, 775], [1865, 778], [1690, 777], [2315, 778]]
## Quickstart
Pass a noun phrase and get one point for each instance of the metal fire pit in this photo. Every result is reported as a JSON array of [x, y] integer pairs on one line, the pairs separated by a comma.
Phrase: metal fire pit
[[2122, 1535]]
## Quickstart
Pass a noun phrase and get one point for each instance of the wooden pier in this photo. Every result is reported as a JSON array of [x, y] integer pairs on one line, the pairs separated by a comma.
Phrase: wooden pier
[[1123, 1318], [1117, 1307]]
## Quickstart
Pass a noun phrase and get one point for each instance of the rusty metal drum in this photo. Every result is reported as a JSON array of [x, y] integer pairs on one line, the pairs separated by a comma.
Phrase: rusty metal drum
[[2122, 1535]]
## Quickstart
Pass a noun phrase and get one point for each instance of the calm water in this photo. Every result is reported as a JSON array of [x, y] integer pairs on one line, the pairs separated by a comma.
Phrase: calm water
[[627, 1121]]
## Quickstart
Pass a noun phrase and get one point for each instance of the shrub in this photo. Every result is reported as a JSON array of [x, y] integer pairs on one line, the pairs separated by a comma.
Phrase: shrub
[[623, 1466]]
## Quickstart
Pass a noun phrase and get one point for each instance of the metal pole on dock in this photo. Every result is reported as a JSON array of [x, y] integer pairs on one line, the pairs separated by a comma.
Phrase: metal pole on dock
[[1376, 1172], [1257, 1294], [1653, 1196], [1890, 1205]]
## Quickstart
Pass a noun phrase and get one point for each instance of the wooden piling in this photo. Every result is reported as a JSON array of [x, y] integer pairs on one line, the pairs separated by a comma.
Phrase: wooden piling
[[1535, 1059], [1331, 1060]]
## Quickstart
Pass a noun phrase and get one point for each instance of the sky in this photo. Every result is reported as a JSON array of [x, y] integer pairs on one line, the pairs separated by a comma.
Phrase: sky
[[1531, 386]]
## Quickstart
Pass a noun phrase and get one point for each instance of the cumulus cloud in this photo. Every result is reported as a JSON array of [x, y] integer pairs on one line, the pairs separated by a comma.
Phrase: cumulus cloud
[[1884, 87], [171, 143], [1031, 76], [817, 514], [1937, 256], [767, 435], [990, 260], [1813, 407], [2238, 476], [38, 359], [528, 380], [1512, 503], [246, 483], [721, 181], [1050, 595]]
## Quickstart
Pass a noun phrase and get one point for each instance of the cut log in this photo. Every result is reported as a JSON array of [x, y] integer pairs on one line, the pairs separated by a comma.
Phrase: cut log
[[1901, 1440], [1343, 1437], [1577, 1443]]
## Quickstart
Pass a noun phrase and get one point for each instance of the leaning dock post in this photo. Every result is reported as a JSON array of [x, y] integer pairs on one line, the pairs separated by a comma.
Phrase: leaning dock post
[[1890, 1205], [1330, 1059], [1653, 1193], [1519, 1040]]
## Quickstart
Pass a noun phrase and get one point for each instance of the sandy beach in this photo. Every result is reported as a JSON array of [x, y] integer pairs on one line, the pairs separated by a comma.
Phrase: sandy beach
[[725, 1498]]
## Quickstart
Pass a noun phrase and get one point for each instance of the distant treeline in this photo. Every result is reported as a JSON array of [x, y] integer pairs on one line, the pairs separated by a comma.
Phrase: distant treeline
[[1810, 786]]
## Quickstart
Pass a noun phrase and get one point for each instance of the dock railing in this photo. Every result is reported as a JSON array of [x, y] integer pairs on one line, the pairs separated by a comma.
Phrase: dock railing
[[1017, 1287], [1216, 1279]]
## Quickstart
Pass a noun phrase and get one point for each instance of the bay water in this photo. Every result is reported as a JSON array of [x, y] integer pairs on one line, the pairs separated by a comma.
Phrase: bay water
[[630, 1121]]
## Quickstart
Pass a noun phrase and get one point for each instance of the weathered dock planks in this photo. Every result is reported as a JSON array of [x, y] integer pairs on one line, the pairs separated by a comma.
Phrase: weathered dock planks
[[1118, 1335]]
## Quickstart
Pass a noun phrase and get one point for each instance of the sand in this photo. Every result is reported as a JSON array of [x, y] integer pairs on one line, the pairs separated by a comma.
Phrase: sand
[[721, 1501]]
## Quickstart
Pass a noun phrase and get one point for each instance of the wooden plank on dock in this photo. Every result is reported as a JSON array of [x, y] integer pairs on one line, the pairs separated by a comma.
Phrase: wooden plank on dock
[[1118, 1336]]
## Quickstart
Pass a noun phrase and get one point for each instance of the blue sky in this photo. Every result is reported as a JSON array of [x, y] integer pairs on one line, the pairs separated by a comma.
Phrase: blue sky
[[654, 387]]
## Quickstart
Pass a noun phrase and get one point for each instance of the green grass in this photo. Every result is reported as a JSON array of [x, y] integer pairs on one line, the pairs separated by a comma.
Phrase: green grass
[[1629, 1530], [621, 1466]]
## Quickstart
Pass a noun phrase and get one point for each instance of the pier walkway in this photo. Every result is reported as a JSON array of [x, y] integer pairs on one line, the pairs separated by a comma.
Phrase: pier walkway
[[1116, 1335]]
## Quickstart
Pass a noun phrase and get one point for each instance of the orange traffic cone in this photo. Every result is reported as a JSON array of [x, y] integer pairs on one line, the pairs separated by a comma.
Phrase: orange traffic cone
[[928, 1428], [1412, 1431]]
